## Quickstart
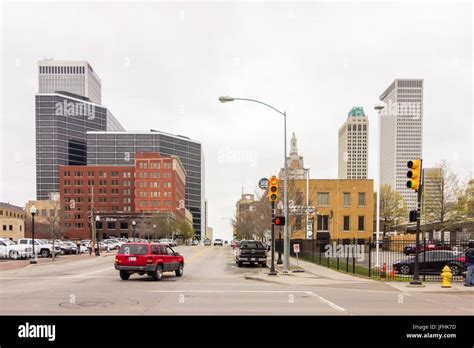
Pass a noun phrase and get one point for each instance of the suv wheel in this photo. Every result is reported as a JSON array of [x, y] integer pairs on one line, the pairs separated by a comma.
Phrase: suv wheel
[[179, 272], [239, 263], [14, 255], [264, 265], [124, 275], [45, 253], [158, 274]]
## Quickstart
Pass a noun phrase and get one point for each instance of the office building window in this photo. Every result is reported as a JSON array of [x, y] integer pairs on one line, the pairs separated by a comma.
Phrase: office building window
[[347, 199], [323, 198], [361, 223], [323, 222], [361, 199], [347, 223]]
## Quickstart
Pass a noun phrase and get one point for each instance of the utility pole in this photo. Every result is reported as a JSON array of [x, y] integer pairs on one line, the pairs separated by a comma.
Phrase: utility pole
[[416, 182]]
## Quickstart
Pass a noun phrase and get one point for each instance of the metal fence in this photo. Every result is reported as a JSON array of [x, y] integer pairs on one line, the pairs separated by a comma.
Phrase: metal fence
[[395, 260]]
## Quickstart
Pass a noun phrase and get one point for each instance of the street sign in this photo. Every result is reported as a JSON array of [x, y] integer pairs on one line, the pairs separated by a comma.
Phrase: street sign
[[263, 183], [296, 248]]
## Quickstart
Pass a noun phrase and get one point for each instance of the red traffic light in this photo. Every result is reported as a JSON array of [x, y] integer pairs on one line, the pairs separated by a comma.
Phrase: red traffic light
[[279, 220]]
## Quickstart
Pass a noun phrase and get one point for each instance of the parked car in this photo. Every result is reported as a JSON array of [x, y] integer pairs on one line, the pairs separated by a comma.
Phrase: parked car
[[432, 262], [150, 258], [251, 252], [42, 247], [218, 242], [411, 249], [170, 242], [207, 242], [9, 249], [68, 248]]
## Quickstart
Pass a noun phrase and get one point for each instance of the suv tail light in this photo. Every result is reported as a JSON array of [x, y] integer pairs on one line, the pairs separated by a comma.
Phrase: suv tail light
[[149, 260]]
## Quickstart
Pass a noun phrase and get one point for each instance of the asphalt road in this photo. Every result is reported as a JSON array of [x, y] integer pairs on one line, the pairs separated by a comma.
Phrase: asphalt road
[[211, 284]]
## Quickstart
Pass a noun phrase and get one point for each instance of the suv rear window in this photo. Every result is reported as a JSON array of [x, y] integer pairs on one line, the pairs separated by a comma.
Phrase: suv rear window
[[253, 245], [134, 249]]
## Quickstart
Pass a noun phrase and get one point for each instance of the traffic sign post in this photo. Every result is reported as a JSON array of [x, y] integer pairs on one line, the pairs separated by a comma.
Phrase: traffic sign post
[[272, 268], [296, 250]]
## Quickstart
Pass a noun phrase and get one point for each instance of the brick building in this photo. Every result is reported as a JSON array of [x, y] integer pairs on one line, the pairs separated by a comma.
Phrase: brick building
[[120, 194], [344, 208]]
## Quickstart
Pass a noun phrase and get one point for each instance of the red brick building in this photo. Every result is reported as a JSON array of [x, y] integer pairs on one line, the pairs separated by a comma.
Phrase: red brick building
[[159, 184], [120, 194]]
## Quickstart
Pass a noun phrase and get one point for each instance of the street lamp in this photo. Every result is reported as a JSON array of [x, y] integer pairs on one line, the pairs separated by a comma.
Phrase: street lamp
[[134, 224], [33, 213], [378, 107], [97, 221], [154, 231], [225, 99]]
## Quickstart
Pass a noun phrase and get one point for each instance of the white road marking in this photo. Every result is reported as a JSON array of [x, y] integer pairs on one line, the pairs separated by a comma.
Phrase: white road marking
[[322, 299], [100, 270]]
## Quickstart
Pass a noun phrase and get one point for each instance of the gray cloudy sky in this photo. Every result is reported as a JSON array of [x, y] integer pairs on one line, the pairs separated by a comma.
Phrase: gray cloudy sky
[[163, 66]]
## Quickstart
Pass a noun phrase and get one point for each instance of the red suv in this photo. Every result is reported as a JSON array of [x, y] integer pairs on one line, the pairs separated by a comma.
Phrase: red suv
[[150, 258]]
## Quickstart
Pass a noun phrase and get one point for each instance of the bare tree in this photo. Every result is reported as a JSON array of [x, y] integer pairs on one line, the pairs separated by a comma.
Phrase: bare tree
[[443, 196], [393, 210], [52, 221]]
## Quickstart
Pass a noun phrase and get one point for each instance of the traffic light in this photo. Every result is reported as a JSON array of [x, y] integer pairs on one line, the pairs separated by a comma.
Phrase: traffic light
[[273, 189], [413, 215], [414, 174], [279, 220]]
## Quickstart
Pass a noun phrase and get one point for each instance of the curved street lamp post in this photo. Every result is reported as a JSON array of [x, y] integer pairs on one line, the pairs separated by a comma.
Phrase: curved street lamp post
[[225, 99]]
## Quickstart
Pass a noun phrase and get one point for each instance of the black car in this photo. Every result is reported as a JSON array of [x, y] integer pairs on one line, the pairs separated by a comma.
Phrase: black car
[[432, 262]]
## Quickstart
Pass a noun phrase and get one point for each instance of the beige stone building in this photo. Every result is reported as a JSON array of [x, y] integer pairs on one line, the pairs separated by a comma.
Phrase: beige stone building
[[344, 208], [12, 221]]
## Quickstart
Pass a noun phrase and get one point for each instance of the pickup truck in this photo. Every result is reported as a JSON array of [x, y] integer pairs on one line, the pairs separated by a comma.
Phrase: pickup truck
[[251, 252], [41, 247]]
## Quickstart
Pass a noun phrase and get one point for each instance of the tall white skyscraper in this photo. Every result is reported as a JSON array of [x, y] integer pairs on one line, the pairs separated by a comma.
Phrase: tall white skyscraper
[[353, 145], [401, 133], [73, 76]]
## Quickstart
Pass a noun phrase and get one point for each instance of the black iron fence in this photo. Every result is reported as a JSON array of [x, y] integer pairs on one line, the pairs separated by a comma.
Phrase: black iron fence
[[395, 259]]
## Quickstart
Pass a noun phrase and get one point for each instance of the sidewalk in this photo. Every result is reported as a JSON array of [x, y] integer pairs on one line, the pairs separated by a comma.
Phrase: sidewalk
[[316, 275], [14, 264]]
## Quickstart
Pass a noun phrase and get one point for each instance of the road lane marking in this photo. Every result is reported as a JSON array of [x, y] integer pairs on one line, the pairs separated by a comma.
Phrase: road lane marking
[[329, 303], [100, 270], [195, 256]]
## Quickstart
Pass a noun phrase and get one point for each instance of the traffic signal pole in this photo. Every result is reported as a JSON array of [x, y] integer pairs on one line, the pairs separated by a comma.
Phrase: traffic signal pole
[[272, 267], [416, 274]]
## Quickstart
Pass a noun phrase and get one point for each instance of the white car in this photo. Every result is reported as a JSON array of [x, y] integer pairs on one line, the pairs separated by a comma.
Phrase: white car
[[9, 249], [170, 242]]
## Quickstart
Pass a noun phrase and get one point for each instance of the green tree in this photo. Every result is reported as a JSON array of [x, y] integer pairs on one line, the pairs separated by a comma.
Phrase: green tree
[[186, 230], [165, 225]]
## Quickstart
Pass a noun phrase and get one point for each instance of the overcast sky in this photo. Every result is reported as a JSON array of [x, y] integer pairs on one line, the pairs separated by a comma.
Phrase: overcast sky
[[163, 66]]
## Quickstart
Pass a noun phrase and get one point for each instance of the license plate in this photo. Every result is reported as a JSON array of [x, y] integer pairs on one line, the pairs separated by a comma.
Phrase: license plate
[[132, 258]]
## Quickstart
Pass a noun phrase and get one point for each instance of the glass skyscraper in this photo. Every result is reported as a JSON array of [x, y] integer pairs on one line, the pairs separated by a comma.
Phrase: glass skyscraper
[[67, 106], [119, 148]]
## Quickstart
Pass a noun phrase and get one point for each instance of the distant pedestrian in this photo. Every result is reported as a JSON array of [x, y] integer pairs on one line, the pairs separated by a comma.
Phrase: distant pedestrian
[[469, 259], [108, 247], [91, 246], [78, 247]]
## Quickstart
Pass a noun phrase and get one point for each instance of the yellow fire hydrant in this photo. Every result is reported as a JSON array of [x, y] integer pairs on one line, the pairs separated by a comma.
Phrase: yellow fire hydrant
[[446, 276]]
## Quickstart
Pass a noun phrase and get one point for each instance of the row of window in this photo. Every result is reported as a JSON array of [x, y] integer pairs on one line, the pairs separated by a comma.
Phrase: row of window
[[12, 214], [10, 228], [323, 199], [61, 69], [154, 203], [322, 223]]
